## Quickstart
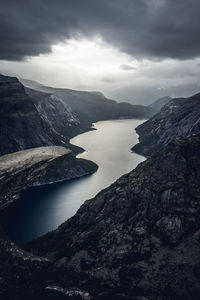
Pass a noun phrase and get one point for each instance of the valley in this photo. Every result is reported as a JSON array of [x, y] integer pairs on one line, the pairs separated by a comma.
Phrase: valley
[[137, 237], [43, 208]]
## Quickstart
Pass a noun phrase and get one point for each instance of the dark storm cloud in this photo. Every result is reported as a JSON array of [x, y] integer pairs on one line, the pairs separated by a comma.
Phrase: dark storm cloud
[[142, 28]]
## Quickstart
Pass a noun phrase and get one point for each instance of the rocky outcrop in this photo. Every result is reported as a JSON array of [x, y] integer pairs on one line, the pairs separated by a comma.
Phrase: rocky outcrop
[[94, 106], [67, 169], [21, 169], [139, 238], [38, 166], [178, 119]]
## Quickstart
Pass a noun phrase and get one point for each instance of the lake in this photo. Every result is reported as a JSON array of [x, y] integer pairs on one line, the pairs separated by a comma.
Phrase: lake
[[41, 209]]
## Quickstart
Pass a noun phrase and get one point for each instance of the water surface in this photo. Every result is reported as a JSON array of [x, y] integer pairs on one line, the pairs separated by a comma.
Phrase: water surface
[[42, 209]]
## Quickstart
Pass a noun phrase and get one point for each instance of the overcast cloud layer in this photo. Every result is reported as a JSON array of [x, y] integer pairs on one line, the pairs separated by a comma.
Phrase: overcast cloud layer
[[154, 29]]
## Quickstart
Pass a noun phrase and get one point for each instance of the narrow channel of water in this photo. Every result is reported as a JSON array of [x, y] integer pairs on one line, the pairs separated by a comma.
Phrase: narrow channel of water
[[42, 209]]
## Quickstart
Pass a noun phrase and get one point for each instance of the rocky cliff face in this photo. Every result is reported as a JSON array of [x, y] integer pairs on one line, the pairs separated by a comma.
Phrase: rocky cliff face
[[178, 119], [139, 238], [94, 106], [29, 119], [21, 126], [58, 116]]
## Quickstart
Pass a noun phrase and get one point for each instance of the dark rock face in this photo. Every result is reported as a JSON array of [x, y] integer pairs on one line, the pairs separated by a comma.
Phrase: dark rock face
[[32, 119], [20, 125], [178, 119], [67, 169], [139, 238], [94, 106], [59, 117], [20, 272]]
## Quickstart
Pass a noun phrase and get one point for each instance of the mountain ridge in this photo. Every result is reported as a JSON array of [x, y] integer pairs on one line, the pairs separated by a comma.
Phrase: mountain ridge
[[94, 106], [179, 118]]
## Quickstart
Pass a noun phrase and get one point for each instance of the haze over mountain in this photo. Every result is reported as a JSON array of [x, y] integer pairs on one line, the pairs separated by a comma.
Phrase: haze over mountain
[[94, 106], [146, 95], [159, 103]]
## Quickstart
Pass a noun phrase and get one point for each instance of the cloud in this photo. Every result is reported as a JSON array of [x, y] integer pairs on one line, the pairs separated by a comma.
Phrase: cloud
[[155, 29], [126, 67]]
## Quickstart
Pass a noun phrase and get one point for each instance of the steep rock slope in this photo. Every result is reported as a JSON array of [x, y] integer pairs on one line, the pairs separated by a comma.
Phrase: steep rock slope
[[177, 119], [139, 238], [20, 124], [94, 106], [57, 114], [31, 119]]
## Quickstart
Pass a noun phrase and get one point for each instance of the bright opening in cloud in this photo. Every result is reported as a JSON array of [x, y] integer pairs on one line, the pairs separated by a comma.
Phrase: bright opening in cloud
[[81, 64], [96, 65]]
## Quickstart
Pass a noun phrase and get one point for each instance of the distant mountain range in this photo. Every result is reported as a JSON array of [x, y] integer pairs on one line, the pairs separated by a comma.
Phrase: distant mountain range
[[94, 106], [146, 94]]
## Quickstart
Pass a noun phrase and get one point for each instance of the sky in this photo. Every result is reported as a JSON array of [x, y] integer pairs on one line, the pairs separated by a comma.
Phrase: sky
[[131, 50]]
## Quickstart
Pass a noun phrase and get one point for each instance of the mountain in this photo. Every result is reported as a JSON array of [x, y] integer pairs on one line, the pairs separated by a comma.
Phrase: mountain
[[145, 94], [159, 103], [93, 106], [29, 119], [56, 113], [137, 239], [177, 119]]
